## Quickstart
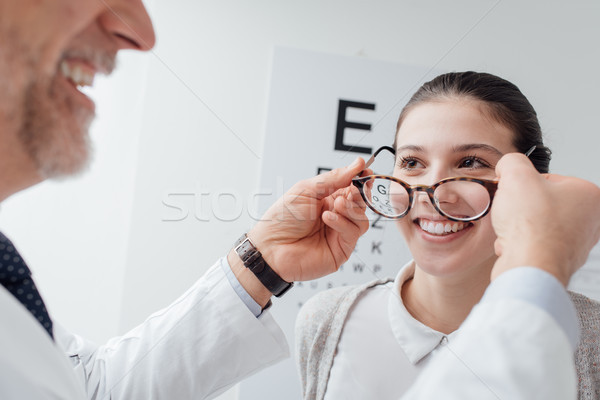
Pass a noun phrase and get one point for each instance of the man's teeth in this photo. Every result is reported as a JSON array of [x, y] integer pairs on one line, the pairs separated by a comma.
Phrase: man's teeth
[[76, 74], [441, 228]]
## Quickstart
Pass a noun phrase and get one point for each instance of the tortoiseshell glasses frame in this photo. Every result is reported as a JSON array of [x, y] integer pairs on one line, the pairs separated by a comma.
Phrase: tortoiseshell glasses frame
[[490, 186]]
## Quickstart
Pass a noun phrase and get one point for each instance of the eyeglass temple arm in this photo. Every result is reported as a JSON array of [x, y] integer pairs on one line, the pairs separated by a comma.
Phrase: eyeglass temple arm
[[379, 150], [528, 152]]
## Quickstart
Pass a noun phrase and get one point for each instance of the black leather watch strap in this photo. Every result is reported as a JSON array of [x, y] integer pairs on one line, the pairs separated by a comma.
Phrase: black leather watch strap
[[254, 261]]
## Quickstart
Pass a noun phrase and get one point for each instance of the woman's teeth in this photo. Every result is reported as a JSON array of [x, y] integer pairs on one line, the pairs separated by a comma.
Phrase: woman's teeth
[[441, 228]]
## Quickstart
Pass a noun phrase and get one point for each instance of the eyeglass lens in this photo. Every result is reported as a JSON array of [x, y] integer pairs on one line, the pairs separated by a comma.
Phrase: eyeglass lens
[[462, 200]]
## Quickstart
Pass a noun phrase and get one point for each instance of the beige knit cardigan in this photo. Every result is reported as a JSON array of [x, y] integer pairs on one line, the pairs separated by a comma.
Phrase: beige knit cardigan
[[321, 320]]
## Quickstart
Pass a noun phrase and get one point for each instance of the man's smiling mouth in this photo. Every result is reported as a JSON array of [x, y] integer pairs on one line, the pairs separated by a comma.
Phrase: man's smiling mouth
[[79, 73]]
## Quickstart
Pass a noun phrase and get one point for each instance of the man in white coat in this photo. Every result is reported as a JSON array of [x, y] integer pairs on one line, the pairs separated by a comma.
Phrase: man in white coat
[[218, 332], [214, 334]]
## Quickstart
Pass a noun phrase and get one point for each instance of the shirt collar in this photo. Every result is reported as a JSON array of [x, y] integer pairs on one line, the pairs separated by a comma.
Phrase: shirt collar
[[416, 339]]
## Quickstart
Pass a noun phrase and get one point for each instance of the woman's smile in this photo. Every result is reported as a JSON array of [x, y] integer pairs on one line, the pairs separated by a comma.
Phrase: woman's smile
[[440, 228], [441, 231]]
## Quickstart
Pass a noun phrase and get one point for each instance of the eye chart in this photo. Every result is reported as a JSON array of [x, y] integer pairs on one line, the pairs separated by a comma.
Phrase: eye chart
[[323, 112]]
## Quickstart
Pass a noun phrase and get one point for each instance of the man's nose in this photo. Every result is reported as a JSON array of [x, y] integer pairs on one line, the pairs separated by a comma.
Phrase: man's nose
[[129, 24]]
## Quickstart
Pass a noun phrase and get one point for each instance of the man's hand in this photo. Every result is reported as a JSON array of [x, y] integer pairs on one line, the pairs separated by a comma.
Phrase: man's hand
[[312, 230], [309, 232], [546, 221]]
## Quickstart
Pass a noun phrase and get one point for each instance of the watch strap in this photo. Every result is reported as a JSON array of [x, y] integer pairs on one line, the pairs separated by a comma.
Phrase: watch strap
[[254, 261]]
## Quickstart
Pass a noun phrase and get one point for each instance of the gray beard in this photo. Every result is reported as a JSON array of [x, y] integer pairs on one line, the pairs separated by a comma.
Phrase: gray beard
[[54, 131]]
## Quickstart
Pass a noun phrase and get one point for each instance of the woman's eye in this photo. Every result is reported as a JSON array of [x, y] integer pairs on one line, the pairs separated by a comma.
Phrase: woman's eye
[[409, 163], [473, 163]]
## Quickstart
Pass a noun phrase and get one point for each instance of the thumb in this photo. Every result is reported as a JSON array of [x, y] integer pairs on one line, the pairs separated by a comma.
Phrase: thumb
[[514, 165], [325, 184]]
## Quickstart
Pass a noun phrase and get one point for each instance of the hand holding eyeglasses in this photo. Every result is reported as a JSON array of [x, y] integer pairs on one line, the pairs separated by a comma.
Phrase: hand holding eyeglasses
[[547, 221], [313, 228]]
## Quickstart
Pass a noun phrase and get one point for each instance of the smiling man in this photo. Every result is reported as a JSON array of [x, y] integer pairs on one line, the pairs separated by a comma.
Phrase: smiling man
[[218, 331], [49, 50]]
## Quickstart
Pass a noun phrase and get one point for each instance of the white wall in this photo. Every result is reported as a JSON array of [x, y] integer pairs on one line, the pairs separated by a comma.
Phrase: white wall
[[197, 124]]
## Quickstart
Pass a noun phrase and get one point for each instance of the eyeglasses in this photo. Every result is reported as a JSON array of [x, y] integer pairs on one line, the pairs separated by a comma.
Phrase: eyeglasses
[[459, 199]]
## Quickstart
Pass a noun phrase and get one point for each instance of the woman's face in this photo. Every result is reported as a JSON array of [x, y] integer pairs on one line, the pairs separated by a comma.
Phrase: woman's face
[[437, 140]]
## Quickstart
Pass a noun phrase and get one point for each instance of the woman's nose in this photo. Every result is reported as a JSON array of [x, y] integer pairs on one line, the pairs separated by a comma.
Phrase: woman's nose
[[422, 203]]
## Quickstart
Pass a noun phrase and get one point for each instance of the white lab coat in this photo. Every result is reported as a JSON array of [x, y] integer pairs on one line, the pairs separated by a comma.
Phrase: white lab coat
[[208, 340], [196, 348], [507, 349]]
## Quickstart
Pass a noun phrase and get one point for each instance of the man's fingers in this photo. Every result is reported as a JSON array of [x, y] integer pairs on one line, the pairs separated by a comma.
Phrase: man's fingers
[[366, 172], [514, 164], [345, 233], [325, 184], [351, 209]]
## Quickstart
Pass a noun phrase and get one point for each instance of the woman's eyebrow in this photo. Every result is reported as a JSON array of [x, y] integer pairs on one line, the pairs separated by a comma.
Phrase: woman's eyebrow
[[411, 147], [478, 146]]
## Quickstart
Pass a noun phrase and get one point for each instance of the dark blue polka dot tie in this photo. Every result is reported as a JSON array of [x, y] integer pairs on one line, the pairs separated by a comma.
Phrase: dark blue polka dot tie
[[15, 276]]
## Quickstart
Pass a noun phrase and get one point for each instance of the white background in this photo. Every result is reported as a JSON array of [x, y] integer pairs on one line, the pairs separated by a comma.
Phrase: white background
[[190, 117]]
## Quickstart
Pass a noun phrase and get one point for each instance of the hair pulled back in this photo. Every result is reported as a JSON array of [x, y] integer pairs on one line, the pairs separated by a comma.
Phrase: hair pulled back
[[504, 102]]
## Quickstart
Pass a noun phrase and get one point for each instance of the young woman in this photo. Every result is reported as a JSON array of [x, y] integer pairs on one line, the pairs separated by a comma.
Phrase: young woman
[[371, 341]]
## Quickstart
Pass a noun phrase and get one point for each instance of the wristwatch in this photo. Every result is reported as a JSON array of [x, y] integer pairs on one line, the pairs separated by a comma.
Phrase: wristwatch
[[254, 261]]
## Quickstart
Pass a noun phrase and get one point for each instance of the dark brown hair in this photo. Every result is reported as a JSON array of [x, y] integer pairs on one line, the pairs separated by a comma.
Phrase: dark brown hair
[[505, 103]]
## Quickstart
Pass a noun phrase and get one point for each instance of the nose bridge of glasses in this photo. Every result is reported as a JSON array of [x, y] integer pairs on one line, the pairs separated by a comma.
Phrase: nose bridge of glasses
[[417, 190], [421, 194], [422, 203]]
